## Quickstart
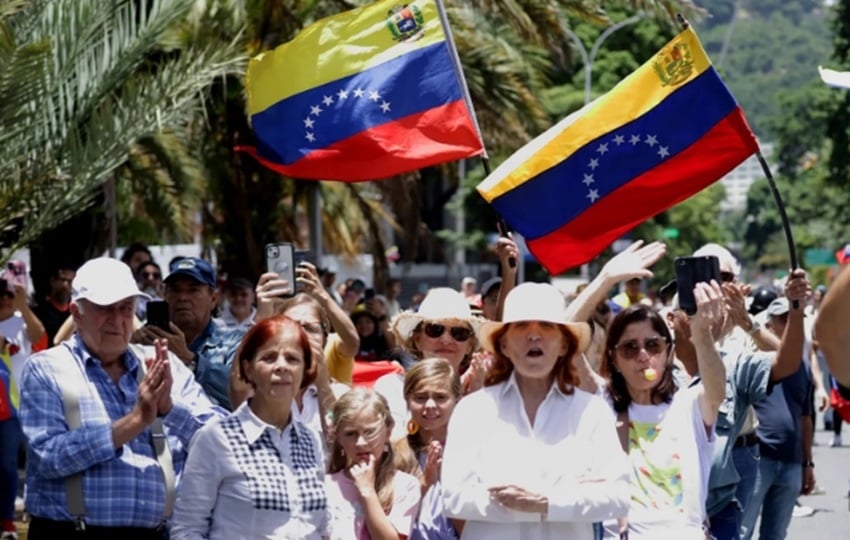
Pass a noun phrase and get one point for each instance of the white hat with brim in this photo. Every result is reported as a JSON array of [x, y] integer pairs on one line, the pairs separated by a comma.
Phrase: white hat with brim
[[539, 302], [104, 281], [440, 304]]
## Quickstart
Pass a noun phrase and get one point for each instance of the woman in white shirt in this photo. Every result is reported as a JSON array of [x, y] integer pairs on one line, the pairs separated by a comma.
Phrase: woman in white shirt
[[531, 456], [668, 434], [258, 473]]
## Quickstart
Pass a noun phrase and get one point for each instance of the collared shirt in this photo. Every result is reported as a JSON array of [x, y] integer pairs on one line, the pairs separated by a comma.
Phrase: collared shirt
[[572, 455], [122, 487], [747, 381], [228, 320], [247, 479], [216, 348]]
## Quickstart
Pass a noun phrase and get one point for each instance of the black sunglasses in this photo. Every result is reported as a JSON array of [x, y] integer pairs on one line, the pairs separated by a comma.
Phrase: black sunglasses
[[631, 348], [727, 277], [154, 275], [458, 333]]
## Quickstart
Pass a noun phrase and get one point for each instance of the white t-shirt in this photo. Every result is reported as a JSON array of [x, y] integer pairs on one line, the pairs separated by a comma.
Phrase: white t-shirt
[[670, 456], [14, 329]]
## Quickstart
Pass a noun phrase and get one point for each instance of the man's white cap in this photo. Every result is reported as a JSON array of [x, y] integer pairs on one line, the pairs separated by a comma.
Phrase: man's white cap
[[104, 281]]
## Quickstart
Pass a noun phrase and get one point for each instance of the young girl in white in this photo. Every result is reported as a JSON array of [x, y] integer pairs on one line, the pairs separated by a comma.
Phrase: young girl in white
[[368, 499]]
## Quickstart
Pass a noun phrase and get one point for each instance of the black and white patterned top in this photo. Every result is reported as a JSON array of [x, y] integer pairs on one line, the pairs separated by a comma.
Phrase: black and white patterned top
[[246, 479]]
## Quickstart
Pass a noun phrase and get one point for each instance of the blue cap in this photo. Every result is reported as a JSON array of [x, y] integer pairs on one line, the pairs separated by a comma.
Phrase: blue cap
[[195, 268]]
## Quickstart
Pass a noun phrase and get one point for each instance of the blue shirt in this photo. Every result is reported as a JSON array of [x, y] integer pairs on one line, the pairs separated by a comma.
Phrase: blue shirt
[[123, 487], [216, 348], [747, 381], [780, 431]]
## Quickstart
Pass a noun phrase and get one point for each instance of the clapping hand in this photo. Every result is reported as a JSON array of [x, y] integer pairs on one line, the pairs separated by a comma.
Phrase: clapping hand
[[433, 462]]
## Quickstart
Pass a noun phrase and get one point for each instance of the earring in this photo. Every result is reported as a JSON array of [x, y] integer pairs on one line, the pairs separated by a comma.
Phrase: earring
[[412, 427]]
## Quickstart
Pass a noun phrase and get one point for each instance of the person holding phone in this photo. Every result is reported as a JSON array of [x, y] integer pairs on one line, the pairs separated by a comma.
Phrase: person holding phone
[[667, 434]]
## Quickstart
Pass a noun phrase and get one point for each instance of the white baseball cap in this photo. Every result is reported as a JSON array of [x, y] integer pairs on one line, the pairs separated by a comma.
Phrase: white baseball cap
[[104, 281]]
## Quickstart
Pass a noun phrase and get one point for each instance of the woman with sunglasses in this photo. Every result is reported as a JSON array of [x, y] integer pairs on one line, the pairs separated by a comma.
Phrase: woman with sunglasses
[[531, 456], [442, 327], [668, 435]]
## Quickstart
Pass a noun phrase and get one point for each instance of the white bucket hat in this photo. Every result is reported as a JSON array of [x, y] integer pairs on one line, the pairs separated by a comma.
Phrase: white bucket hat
[[104, 281], [535, 302], [440, 304]]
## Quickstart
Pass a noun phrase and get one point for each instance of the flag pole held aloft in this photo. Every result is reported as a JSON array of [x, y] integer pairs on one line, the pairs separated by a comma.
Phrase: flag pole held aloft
[[362, 95], [662, 134]]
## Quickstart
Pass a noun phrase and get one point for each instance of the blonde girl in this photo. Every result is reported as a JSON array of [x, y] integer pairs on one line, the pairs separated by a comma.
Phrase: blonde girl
[[368, 499], [432, 388]]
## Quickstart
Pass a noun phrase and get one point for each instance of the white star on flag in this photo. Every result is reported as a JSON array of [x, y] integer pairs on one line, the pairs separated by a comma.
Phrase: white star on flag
[[634, 139], [593, 164], [359, 93], [316, 110], [310, 137], [374, 95], [588, 179], [651, 140], [619, 139], [308, 122], [663, 151], [327, 100], [385, 106], [342, 94], [602, 148], [593, 194]]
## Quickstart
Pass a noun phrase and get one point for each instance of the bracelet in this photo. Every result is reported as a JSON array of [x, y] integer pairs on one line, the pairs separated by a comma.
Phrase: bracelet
[[809, 464]]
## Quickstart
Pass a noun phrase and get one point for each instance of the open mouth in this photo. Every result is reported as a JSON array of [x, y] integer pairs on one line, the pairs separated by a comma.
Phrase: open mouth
[[535, 352]]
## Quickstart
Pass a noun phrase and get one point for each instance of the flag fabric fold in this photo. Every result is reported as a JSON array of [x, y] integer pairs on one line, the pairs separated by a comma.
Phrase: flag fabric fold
[[838, 79], [362, 95], [662, 134]]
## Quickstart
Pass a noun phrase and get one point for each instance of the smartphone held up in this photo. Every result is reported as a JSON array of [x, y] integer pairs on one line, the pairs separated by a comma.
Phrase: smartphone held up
[[280, 259], [689, 272]]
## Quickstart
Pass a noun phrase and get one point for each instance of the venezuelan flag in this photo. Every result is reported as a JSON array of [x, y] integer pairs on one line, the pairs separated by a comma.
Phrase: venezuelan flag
[[665, 132], [365, 94]]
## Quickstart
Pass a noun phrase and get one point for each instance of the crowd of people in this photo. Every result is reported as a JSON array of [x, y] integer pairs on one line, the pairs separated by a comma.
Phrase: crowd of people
[[308, 410]]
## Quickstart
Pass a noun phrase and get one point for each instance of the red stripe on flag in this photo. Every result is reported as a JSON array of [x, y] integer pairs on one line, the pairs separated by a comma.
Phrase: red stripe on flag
[[435, 136], [719, 151]]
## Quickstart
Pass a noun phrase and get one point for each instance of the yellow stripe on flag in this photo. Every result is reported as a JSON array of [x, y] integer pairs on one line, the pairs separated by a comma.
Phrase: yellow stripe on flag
[[333, 48], [676, 64]]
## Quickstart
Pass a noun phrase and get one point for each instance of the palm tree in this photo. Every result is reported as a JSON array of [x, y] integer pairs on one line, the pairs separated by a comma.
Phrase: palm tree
[[82, 84]]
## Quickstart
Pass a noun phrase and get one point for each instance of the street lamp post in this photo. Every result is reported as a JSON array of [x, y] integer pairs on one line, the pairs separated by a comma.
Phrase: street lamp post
[[588, 58]]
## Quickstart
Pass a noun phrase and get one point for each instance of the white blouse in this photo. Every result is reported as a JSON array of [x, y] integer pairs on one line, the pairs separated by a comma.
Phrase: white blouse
[[246, 479], [571, 454]]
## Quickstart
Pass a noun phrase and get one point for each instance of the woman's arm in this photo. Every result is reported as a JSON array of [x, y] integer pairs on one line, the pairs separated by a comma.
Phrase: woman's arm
[[630, 263], [710, 312], [199, 485]]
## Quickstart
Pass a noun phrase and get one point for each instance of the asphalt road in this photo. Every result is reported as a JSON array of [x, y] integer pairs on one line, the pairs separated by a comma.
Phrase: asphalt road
[[831, 520]]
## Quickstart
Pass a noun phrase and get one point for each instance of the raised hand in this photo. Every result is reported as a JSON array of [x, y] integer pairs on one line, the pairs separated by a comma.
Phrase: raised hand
[[634, 261], [271, 291], [363, 474], [797, 288], [710, 309], [433, 462]]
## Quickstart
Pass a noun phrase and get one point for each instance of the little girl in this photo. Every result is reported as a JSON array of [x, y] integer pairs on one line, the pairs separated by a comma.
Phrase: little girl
[[368, 499], [432, 388]]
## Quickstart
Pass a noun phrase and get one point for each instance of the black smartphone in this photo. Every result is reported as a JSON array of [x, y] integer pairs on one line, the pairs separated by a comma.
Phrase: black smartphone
[[280, 259], [301, 256], [689, 272], [158, 315]]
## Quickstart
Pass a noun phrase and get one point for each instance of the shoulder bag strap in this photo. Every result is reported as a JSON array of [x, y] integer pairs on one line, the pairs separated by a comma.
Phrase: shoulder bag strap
[[159, 441]]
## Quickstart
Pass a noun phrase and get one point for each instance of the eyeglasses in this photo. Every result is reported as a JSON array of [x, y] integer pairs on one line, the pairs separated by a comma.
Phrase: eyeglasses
[[458, 333], [631, 348], [151, 275], [727, 277], [314, 328]]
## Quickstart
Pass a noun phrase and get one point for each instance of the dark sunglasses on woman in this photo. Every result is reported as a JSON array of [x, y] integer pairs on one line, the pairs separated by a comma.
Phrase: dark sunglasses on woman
[[631, 348], [458, 333]]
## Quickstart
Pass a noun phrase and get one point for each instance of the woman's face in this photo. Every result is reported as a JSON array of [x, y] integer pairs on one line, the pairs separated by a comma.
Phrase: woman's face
[[641, 355], [365, 326], [309, 319], [362, 435], [278, 367], [441, 339], [533, 347], [431, 404]]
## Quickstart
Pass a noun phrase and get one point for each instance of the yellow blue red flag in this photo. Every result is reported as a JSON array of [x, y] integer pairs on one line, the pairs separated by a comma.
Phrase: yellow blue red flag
[[662, 134], [363, 95]]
